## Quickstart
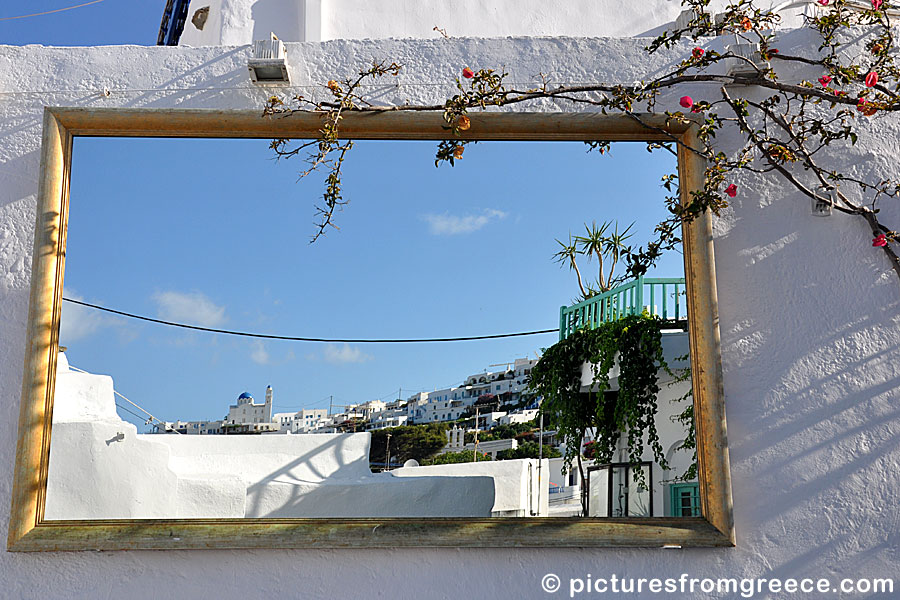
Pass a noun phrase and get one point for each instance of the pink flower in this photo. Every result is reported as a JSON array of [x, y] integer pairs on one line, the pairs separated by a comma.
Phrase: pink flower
[[697, 52], [686, 101], [823, 2], [879, 240], [825, 80], [731, 190], [468, 73], [871, 79], [876, 4]]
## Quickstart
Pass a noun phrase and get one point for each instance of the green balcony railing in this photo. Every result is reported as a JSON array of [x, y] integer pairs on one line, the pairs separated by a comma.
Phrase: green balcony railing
[[660, 296]]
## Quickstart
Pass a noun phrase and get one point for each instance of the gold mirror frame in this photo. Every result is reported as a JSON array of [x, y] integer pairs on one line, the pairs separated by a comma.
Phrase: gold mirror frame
[[28, 531]]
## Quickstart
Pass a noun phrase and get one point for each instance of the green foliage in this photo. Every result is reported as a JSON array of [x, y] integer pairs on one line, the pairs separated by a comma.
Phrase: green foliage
[[418, 442], [528, 450], [636, 342], [600, 244], [464, 456]]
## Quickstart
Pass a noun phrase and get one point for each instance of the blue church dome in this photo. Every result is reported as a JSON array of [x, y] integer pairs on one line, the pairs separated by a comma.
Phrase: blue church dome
[[245, 396]]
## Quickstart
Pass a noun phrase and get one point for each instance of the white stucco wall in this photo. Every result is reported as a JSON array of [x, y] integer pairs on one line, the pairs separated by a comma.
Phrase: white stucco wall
[[242, 21], [101, 468], [810, 345]]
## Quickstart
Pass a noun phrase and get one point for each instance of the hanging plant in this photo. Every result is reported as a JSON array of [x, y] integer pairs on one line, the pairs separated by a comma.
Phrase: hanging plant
[[635, 341]]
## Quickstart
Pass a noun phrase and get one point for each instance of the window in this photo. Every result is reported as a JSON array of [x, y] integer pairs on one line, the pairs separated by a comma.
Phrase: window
[[615, 490], [29, 531], [684, 500]]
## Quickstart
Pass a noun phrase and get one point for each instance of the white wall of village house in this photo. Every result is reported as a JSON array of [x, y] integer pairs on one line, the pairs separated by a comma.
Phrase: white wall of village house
[[242, 21], [809, 324]]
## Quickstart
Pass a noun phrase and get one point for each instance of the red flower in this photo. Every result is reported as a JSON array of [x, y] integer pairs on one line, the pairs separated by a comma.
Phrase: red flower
[[876, 4], [731, 190], [865, 107], [686, 101], [697, 52], [879, 240], [871, 79], [468, 73], [823, 2], [825, 80]]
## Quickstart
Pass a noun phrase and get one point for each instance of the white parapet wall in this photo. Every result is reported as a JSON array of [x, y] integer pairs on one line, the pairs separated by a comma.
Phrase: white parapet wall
[[520, 486], [101, 468]]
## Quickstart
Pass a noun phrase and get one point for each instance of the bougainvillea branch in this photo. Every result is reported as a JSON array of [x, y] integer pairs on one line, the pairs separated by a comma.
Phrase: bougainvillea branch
[[783, 132]]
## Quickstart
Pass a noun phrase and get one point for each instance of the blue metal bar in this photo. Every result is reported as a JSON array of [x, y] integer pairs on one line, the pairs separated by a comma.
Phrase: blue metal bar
[[173, 20]]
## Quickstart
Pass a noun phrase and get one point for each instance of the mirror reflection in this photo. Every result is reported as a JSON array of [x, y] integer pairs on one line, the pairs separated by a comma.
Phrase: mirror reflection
[[188, 400]]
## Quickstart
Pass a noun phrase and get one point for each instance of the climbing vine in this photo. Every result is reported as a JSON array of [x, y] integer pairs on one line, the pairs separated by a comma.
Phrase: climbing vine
[[855, 77], [634, 342]]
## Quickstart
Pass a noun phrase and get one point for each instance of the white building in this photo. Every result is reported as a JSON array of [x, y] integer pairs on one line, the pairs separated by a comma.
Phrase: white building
[[302, 421], [394, 414], [450, 404], [248, 412], [519, 416]]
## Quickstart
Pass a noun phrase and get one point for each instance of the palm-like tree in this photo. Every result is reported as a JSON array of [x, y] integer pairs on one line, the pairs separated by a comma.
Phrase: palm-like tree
[[597, 243]]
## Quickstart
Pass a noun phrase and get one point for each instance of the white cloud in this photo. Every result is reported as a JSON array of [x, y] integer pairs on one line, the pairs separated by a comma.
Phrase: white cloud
[[78, 322], [192, 308], [259, 355], [344, 354], [447, 224]]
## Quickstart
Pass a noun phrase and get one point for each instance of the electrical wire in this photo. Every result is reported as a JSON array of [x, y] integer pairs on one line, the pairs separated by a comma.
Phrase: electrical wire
[[312, 339], [50, 12]]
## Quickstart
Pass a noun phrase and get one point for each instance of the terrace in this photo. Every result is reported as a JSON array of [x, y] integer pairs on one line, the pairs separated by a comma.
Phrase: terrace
[[658, 296]]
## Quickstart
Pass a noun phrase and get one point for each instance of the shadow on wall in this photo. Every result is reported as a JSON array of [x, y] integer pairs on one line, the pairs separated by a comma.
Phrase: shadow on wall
[[811, 380], [333, 480]]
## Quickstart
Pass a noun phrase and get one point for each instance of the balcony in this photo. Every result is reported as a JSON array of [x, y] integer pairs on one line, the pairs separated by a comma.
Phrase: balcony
[[659, 296]]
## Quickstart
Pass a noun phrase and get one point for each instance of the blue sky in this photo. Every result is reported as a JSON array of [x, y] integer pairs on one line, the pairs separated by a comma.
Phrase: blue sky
[[110, 22], [215, 233]]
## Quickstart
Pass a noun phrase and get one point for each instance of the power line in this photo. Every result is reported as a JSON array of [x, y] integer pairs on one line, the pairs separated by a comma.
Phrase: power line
[[312, 339], [50, 12]]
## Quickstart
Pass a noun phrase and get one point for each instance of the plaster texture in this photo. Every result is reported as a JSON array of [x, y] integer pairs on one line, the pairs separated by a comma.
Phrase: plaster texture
[[243, 21], [809, 324]]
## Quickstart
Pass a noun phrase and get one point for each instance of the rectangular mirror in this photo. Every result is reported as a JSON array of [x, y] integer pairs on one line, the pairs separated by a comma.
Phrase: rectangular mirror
[[147, 426]]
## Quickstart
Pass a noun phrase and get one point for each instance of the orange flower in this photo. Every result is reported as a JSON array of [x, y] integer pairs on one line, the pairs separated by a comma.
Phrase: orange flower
[[463, 123], [468, 73], [458, 152], [334, 86], [747, 24]]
